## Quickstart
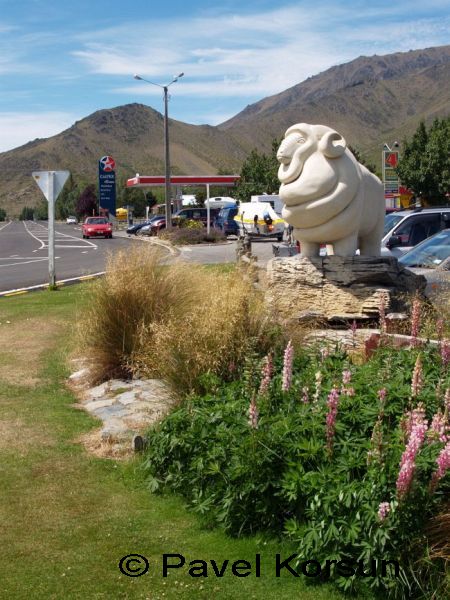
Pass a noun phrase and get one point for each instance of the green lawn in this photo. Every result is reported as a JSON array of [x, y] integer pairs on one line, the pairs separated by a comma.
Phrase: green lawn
[[66, 518]]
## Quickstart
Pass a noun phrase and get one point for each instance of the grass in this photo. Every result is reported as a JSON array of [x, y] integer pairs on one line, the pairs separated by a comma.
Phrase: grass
[[66, 518]]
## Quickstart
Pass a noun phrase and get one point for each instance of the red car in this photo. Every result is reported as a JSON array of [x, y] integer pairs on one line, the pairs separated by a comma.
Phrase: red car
[[96, 227]]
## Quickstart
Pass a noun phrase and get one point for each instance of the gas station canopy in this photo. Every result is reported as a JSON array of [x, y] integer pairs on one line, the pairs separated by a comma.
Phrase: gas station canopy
[[158, 180]]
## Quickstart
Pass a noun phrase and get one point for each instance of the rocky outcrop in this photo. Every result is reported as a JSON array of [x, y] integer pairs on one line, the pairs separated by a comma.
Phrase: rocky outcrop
[[337, 287]]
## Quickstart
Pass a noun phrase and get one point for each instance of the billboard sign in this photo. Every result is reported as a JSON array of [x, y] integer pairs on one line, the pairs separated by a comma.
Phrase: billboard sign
[[107, 185]]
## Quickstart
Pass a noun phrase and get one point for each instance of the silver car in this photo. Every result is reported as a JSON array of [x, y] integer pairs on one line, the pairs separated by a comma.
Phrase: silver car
[[431, 258], [406, 228]]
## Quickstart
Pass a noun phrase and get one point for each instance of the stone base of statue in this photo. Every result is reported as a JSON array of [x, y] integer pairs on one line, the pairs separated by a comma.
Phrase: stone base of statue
[[339, 288]]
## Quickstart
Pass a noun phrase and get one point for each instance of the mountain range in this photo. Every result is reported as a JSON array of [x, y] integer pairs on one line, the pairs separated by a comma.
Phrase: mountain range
[[370, 100]]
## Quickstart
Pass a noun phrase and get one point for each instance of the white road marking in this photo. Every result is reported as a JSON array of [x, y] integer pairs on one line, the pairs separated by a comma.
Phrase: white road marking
[[5, 225], [42, 237], [25, 262]]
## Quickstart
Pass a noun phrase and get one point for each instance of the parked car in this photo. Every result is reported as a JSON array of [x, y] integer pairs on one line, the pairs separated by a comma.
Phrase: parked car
[[406, 228], [431, 258], [97, 227], [72, 220], [134, 229], [195, 214], [225, 221], [156, 224]]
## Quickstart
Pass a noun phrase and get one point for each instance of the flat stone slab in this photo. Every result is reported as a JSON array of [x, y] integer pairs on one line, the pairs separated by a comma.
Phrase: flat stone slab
[[126, 408]]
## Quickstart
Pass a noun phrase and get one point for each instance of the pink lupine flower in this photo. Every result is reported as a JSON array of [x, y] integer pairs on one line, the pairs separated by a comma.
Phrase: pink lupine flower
[[324, 353], [419, 427], [353, 328], [383, 510], [305, 394], [439, 428], [443, 463], [253, 414], [382, 395], [415, 321], [332, 403], [266, 372], [346, 376], [416, 383], [287, 367], [445, 352]]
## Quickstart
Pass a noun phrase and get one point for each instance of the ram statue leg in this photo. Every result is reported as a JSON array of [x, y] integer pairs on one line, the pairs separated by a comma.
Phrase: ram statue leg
[[346, 247], [309, 249]]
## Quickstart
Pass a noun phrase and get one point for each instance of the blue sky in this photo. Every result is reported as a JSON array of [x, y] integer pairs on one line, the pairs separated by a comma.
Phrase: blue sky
[[61, 61]]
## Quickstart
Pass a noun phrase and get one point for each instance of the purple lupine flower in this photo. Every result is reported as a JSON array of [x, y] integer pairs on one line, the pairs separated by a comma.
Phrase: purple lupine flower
[[419, 427], [445, 352], [346, 378], [447, 401], [417, 382], [266, 372], [415, 321], [253, 414], [305, 394], [383, 510], [443, 463], [332, 403], [287, 367]]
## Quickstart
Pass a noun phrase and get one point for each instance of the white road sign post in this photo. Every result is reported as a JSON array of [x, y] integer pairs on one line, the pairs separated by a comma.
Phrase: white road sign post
[[50, 184]]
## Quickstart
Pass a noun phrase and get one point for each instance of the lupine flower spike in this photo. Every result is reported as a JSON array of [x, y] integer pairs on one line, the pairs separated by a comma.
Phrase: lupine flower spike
[[417, 379], [266, 372], [443, 463], [382, 313], [253, 414], [445, 352], [287, 367], [345, 388], [419, 426]]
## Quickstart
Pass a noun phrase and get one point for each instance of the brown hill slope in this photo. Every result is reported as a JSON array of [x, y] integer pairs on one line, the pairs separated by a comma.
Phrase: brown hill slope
[[370, 100]]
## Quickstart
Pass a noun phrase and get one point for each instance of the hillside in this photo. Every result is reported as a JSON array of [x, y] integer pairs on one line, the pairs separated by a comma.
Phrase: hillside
[[370, 100]]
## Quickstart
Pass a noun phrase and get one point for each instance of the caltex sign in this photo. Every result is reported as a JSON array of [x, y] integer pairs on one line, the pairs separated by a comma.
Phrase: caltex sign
[[107, 184]]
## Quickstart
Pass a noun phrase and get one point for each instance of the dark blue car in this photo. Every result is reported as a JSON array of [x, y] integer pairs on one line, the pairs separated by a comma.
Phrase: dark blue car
[[225, 220], [135, 228]]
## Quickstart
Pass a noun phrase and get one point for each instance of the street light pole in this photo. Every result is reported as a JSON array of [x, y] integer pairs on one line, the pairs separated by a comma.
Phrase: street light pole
[[167, 194]]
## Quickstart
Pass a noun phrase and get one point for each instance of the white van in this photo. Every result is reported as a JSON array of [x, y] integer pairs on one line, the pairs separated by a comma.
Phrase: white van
[[273, 199], [258, 219], [220, 202]]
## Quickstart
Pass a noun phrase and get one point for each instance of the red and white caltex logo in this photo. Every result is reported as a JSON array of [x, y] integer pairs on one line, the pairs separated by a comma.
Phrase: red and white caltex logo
[[108, 163]]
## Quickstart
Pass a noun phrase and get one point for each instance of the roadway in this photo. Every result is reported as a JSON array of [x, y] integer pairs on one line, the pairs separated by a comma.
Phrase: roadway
[[24, 253]]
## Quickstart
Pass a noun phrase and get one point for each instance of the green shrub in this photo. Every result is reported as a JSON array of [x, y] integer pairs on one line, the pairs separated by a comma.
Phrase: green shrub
[[180, 236], [282, 476]]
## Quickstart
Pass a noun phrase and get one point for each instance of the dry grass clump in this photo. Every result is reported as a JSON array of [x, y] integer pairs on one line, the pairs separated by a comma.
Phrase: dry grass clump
[[212, 336], [136, 291], [178, 322]]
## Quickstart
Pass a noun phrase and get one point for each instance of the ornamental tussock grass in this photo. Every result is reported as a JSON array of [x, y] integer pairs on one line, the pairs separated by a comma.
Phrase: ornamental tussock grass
[[137, 290], [177, 321], [221, 324]]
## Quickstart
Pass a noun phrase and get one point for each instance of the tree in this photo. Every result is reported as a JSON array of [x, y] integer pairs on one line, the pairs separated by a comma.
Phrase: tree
[[26, 214], [87, 202], [259, 174], [424, 164], [2, 214]]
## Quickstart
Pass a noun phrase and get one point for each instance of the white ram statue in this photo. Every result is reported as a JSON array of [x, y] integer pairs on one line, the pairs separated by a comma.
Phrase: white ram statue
[[329, 197]]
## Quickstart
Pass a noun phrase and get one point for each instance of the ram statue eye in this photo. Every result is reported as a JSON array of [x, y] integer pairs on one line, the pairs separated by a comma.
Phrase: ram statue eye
[[301, 140]]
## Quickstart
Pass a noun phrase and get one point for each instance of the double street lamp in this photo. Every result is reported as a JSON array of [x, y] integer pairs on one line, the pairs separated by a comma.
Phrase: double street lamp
[[166, 145]]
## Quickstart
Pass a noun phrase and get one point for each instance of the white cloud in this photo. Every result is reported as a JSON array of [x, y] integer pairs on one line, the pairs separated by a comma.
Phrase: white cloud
[[255, 54], [19, 128]]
